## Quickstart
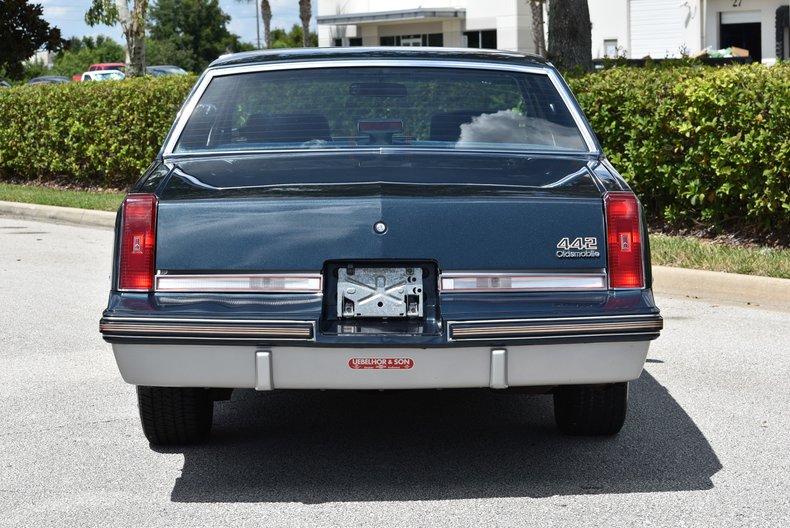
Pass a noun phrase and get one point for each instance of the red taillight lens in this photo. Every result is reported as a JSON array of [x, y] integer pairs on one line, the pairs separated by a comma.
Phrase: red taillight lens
[[624, 240], [138, 239]]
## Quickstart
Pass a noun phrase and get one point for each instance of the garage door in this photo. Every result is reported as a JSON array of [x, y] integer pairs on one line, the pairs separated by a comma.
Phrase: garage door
[[657, 28]]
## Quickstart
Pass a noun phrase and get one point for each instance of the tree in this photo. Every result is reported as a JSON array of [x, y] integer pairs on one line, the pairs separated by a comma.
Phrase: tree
[[538, 37], [292, 39], [168, 52], [23, 31], [78, 54], [197, 29], [570, 36], [266, 13], [111, 12], [305, 12]]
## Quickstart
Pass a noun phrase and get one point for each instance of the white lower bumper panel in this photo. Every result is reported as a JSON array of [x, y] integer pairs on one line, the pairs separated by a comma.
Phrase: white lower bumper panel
[[266, 368]]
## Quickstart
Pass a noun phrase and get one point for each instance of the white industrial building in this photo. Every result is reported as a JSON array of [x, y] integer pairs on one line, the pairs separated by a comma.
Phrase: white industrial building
[[630, 28], [670, 28]]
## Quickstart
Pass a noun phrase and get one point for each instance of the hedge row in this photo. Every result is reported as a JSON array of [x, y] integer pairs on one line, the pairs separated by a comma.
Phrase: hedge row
[[708, 145], [94, 133], [697, 144]]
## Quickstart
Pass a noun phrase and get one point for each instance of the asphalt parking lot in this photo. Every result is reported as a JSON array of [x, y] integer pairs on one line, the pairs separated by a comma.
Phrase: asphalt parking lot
[[705, 444]]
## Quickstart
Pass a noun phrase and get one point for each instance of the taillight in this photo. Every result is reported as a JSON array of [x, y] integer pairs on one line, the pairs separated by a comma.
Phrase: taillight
[[624, 239], [138, 239]]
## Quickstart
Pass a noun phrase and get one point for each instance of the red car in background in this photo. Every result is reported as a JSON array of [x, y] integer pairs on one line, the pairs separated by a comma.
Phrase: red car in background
[[101, 66]]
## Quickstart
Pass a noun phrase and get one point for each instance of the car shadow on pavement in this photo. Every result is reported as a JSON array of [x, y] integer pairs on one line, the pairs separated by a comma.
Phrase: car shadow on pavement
[[314, 447]]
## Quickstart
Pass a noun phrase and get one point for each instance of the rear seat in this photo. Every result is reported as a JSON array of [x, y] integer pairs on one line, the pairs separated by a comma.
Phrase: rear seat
[[285, 128]]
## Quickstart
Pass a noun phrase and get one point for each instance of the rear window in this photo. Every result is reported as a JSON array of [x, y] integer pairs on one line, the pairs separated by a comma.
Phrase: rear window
[[375, 107]]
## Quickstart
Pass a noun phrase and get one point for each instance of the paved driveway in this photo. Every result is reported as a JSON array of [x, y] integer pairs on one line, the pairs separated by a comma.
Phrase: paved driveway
[[706, 442]]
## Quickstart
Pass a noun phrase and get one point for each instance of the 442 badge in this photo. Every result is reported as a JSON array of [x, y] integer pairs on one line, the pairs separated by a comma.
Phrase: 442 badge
[[579, 247]]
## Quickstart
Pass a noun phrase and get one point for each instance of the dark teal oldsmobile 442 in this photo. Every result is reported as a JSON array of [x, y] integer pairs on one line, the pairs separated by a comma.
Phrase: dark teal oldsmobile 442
[[380, 219]]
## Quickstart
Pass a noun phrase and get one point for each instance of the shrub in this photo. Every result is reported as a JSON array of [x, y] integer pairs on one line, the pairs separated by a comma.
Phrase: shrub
[[94, 133], [698, 144]]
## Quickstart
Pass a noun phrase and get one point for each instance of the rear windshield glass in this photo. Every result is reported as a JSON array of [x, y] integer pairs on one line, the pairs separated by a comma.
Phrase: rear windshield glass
[[374, 107]]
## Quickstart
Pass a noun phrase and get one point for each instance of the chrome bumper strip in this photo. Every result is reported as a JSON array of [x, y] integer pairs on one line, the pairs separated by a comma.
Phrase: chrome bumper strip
[[556, 328], [226, 329]]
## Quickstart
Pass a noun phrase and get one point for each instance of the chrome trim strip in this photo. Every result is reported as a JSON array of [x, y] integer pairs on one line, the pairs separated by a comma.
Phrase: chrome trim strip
[[131, 327], [539, 319], [566, 326], [196, 320], [219, 71], [233, 279], [365, 149], [581, 123], [538, 329], [569, 336], [204, 338], [543, 281], [113, 327]]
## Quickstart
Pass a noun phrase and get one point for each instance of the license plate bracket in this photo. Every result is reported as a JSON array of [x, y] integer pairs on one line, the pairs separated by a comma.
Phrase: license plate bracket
[[380, 292]]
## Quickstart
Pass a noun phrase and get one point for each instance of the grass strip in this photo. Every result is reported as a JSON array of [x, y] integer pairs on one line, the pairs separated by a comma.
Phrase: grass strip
[[690, 252], [99, 200]]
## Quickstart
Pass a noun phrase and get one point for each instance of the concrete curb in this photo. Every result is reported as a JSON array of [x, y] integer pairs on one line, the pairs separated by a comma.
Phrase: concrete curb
[[723, 287], [61, 215], [699, 284]]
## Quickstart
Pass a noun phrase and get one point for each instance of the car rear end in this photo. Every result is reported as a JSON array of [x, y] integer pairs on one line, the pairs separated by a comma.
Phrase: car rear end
[[371, 223]]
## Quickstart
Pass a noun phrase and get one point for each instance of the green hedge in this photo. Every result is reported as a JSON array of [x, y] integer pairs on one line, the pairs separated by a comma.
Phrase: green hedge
[[94, 133], [699, 144]]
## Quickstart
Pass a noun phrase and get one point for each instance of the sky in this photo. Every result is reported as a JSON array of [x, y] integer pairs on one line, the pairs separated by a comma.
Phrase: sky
[[69, 16]]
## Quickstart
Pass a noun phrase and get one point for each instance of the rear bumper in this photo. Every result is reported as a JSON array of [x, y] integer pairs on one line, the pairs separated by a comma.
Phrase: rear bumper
[[311, 367], [459, 333], [282, 342]]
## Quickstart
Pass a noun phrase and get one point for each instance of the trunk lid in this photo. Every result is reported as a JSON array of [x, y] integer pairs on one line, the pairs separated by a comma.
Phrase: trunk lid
[[294, 213]]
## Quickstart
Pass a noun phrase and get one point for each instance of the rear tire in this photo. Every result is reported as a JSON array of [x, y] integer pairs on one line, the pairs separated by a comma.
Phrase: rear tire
[[175, 415], [581, 410]]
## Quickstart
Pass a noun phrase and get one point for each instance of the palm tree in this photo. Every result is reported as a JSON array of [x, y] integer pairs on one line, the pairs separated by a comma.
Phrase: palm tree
[[305, 12], [266, 11]]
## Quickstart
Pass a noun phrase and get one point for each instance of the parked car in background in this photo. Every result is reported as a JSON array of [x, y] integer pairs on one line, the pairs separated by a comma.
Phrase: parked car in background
[[4, 84], [164, 70], [103, 75], [381, 218], [120, 66], [49, 79]]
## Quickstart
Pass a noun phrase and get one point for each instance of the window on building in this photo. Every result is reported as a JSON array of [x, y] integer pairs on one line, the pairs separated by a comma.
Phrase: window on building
[[610, 48], [351, 41], [485, 38], [434, 39], [426, 39]]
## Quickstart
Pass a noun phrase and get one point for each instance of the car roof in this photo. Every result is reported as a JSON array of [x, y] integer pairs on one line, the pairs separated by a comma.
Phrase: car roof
[[56, 78], [416, 53], [104, 72]]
